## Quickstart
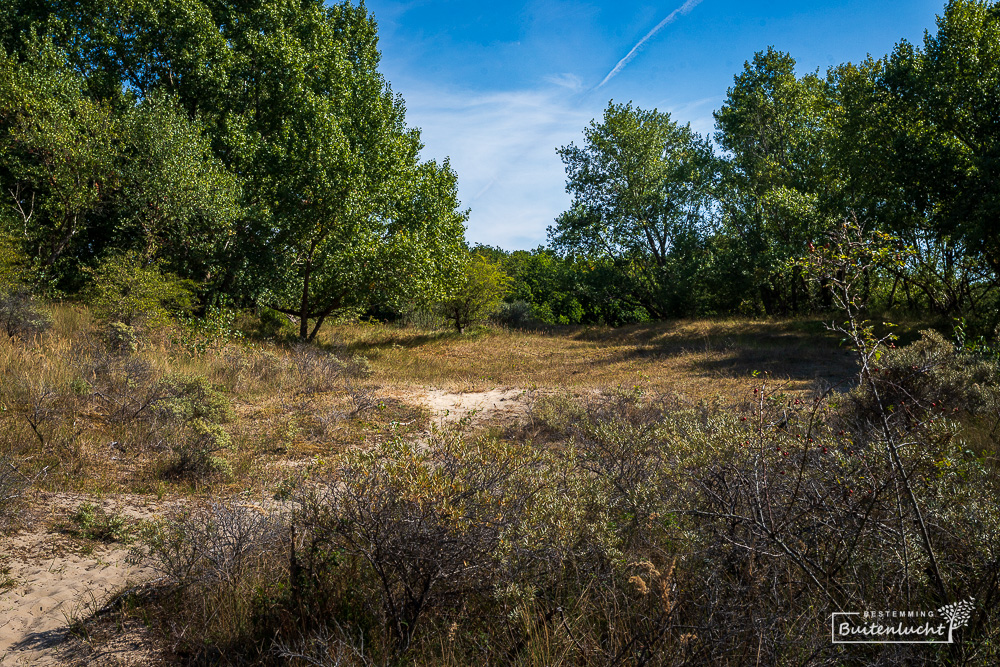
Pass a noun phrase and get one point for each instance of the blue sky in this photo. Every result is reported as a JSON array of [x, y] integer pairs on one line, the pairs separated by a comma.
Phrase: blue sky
[[499, 86]]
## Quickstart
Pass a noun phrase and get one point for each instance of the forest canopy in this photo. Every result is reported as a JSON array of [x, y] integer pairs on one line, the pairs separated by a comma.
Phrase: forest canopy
[[251, 147], [256, 150]]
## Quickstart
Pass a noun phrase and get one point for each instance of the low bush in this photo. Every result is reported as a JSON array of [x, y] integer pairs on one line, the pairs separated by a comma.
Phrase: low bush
[[93, 522], [646, 531], [515, 315], [20, 314], [226, 565], [127, 289], [272, 325], [194, 413]]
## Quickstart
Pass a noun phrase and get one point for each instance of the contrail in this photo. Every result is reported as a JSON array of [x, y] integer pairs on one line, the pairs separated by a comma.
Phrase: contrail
[[680, 11]]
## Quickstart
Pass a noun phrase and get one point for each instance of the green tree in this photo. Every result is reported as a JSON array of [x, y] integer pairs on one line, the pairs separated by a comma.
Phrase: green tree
[[81, 176], [919, 142], [479, 291], [176, 201], [643, 189], [290, 95], [782, 190], [57, 159]]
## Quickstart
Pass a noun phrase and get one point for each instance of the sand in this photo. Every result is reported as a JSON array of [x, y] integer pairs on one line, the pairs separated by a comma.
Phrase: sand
[[57, 579], [476, 406]]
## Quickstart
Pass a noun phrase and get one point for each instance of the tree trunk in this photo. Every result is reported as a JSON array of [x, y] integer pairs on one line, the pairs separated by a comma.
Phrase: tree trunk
[[304, 307]]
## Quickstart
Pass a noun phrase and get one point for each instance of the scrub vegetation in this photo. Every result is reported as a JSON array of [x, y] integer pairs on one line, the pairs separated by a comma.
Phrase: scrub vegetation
[[751, 382]]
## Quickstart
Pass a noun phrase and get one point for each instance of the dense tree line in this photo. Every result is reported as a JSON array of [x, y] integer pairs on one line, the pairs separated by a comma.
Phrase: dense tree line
[[253, 148], [663, 223]]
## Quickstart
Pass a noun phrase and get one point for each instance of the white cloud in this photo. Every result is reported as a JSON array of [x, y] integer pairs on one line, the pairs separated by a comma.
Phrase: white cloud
[[503, 146], [566, 80]]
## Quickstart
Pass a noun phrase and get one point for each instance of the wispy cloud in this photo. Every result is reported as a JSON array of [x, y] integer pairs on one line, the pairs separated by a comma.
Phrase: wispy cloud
[[673, 16], [503, 146], [565, 80]]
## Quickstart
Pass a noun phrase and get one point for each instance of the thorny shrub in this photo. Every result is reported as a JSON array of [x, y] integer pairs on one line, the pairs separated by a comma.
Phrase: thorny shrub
[[20, 314], [224, 562]]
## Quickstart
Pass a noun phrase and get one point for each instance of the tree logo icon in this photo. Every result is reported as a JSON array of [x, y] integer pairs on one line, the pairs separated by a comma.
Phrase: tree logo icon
[[957, 614]]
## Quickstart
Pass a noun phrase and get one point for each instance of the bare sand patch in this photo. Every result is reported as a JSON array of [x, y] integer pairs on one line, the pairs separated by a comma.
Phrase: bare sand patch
[[477, 407], [52, 581]]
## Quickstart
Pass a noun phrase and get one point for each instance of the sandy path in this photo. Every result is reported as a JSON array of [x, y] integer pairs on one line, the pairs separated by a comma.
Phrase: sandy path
[[55, 582], [478, 406]]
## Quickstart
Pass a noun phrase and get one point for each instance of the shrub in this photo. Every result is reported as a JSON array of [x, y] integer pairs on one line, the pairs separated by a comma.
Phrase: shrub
[[516, 315], [125, 387], [195, 413], [213, 331], [92, 522], [213, 545], [272, 324], [191, 398], [20, 315], [433, 525], [224, 567], [129, 290], [121, 338], [477, 294], [928, 377]]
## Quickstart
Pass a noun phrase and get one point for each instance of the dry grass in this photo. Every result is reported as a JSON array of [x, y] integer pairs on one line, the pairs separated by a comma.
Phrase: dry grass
[[692, 357], [286, 413], [290, 404]]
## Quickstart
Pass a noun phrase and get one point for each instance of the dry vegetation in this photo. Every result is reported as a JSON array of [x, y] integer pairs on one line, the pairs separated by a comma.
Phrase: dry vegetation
[[692, 492], [692, 357]]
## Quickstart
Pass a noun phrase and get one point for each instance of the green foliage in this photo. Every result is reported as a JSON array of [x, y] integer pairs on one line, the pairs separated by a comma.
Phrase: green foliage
[[781, 186], [257, 150], [546, 282], [210, 332], [176, 202], [643, 188], [272, 324], [191, 398], [918, 140], [130, 290], [92, 522], [477, 294], [12, 261], [57, 158], [197, 412], [253, 148]]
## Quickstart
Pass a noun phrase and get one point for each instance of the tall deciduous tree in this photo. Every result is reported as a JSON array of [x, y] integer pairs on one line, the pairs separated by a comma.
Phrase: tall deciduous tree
[[920, 140], [335, 206], [781, 186], [642, 189]]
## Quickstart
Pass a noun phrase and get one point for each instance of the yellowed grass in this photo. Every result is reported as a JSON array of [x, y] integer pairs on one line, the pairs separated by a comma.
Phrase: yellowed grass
[[692, 357], [278, 421]]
